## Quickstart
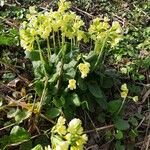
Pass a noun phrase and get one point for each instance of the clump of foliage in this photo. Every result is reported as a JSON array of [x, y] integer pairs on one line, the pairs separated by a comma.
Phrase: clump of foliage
[[60, 68]]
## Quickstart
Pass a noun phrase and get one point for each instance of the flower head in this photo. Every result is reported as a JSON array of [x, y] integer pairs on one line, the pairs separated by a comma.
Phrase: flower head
[[60, 127], [62, 145], [84, 69], [124, 90], [75, 126], [72, 84]]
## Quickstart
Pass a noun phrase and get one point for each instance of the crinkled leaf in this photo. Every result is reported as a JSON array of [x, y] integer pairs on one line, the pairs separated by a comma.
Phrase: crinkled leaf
[[121, 124], [53, 112], [75, 99], [119, 146], [22, 115], [113, 106], [33, 55], [119, 135], [95, 89], [82, 84], [18, 134]]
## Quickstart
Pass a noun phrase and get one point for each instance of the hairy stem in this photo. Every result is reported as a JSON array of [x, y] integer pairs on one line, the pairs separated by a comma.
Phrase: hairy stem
[[41, 56], [49, 49], [122, 104]]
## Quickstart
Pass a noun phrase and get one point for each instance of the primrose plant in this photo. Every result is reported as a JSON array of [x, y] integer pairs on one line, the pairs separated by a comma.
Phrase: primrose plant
[[52, 40], [64, 137]]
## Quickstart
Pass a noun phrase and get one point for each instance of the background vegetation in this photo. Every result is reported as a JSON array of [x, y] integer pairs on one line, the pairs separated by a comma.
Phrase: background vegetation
[[107, 126]]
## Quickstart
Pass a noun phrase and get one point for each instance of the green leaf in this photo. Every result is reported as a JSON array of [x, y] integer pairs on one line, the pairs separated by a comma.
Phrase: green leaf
[[39, 86], [12, 112], [8, 76], [70, 65], [26, 145], [95, 90], [18, 134], [38, 68], [75, 99], [53, 112], [133, 121], [5, 140], [37, 147], [22, 115], [102, 102], [70, 73], [59, 102], [42, 139], [113, 106], [82, 84], [53, 78], [107, 82], [119, 135], [119, 146], [121, 124], [33, 55]]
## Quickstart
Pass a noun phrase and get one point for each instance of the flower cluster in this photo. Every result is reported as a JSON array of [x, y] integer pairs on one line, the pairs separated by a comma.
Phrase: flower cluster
[[72, 137], [84, 69], [102, 32], [43, 24]]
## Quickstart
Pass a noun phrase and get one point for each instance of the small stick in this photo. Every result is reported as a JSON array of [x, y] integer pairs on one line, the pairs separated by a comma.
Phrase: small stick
[[84, 12], [99, 129]]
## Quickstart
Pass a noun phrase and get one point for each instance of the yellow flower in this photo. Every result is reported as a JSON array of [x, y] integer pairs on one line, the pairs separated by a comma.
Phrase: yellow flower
[[82, 140], [63, 6], [76, 147], [32, 107], [75, 127], [84, 69], [47, 147], [124, 87], [62, 145], [135, 98], [60, 127], [124, 90], [124, 94], [26, 39], [72, 84], [32, 10]]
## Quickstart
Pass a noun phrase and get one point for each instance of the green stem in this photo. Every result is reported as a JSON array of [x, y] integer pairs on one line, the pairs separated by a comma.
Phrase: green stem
[[49, 49], [62, 64], [43, 96], [54, 41], [71, 45], [121, 106], [40, 51], [74, 41], [41, 56], [60, 77], [101, 50]]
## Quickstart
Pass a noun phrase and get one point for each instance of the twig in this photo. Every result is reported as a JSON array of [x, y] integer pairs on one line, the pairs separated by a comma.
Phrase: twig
[[146, 95], [43, 116], [83, 12], [17, 2], [100, 128], [140, 123], [148, 143], [93, 146], [102, 146], [7, 126], [16, 144]]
